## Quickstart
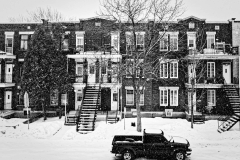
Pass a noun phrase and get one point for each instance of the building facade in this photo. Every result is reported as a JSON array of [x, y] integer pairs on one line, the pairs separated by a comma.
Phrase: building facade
[[202, 59]]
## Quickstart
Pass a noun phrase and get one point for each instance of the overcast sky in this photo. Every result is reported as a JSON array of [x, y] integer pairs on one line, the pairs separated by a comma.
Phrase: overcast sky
[[211, 10]]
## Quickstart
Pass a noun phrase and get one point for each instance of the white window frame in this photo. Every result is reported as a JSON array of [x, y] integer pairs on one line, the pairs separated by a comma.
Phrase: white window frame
[[211, 97], [191, 25], [115, 42], [129, 41], [191, 36], [128, 104], [173, 41], [173, 96], [163, 69], [210, 69], [173, 70], [210, 39], [163, 96], [164, 42], [77, 69], [28, 34], [137, 40], [80, 41], [9, 35], [141, 95]]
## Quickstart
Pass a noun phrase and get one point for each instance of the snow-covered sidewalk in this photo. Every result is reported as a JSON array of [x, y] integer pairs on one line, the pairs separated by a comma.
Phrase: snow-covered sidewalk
[[53, 140]]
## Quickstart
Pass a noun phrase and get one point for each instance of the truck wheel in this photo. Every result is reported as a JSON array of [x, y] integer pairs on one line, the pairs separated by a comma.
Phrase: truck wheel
[[179, 155], [127, 155]]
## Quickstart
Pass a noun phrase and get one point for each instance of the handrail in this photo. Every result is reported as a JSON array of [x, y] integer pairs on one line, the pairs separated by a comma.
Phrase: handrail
[[80, 107], [99, 93], [107, 116], [223, 118]]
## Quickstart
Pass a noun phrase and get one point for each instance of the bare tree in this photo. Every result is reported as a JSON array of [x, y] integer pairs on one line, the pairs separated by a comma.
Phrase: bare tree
[[142, 62], [39, 14]]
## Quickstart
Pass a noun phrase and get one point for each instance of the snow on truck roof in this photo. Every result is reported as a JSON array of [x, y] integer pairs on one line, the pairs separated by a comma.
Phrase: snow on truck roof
[[153, 131]]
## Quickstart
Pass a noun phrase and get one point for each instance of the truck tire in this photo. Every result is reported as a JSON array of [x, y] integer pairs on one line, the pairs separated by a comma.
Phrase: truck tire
[[179, 155], [127, 155]]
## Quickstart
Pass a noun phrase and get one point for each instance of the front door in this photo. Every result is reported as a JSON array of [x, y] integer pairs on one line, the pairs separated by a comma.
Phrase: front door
[[190, 101], [227, 73], [91, 71], [191, 73], [79, 98], [79, 73], [114, 73], [114, 99], [8, 77], [8, 100]]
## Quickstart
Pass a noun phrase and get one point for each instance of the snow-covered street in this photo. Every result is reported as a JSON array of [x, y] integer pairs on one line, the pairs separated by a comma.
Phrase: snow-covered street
[[52, 140]]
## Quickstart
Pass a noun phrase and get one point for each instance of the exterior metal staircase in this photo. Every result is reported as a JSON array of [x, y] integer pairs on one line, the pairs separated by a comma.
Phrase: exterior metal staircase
[[234, 101], [87, 112]]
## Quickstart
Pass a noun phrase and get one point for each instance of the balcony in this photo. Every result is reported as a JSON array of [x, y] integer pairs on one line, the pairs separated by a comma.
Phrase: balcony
[[209, 53], [6, 80], [7, 55]]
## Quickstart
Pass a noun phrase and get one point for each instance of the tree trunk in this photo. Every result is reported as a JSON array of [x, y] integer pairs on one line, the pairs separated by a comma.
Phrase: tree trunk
[[44, 111], [139, 123]]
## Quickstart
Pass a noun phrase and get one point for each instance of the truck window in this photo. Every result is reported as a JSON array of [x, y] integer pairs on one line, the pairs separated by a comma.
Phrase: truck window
[[154, 139]]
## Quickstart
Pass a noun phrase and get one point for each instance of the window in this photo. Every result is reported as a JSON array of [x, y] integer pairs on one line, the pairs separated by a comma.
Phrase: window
[[79, 70], [173, 97], [65, 43], [80, 41], [191, 40], [24, 42], [211, 98], [115, 42], [210, 69], [164, 42], [79, 96], [97, 24], [173, 69], [163, 70], [54, 97], [130, 41], [115, 97], [92, 69], [129, 97], [211, 39], [140, 40], [64, 99], [129, 69], [174, 41], [191, 25], [104, 70], [163, 97], [9, 42], [217, 27]]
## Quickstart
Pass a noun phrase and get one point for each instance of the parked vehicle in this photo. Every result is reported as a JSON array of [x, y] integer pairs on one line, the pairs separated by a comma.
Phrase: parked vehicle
[[150, 144]]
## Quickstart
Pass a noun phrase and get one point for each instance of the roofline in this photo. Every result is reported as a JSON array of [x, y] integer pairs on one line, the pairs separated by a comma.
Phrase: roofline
[[191, 17]]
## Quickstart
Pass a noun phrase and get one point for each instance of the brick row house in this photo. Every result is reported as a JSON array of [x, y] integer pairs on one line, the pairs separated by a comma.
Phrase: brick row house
[[202, 59]]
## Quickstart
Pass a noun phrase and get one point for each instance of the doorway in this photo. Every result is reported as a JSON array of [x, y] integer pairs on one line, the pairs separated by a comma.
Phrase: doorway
[[227, 73]]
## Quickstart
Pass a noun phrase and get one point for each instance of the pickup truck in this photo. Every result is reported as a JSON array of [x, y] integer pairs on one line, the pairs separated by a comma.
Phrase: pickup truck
[[150, 144]]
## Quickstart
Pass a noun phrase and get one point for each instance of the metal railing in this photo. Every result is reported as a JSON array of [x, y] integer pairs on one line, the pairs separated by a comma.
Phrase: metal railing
[[78, 113]]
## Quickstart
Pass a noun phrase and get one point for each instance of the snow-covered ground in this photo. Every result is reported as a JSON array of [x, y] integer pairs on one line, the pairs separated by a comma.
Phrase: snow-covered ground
[[51, 140]]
